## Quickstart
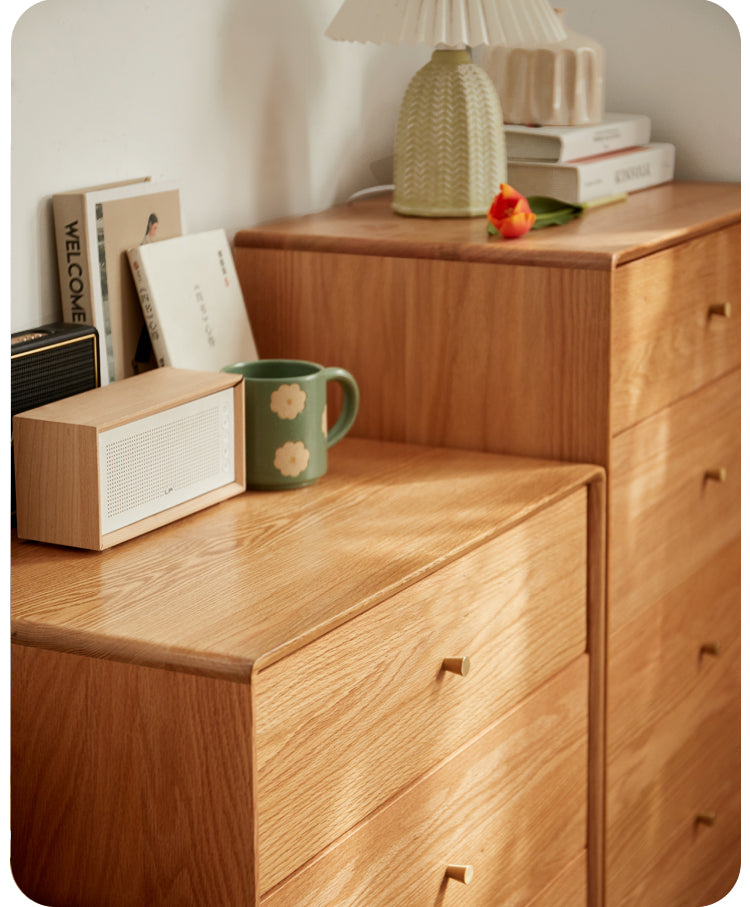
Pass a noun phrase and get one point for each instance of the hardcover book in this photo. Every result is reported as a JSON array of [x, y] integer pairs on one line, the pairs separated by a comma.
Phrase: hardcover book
[[567, 143], [192, 302], [74, 268], [94, 228], [593, 178]]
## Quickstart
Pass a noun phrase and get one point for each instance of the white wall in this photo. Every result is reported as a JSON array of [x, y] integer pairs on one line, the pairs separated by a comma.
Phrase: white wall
[[679, 62], [257, 115]]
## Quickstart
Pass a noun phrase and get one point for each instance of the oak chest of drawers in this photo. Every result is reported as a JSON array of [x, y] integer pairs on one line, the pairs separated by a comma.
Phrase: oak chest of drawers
[[382, 689], [615, 340]]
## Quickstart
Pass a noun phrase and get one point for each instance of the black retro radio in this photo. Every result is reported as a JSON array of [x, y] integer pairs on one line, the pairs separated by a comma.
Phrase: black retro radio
[[48, 363]]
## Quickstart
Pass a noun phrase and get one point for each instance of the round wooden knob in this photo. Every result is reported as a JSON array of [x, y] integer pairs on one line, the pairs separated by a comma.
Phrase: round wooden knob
[[716, 475], [711, 648], [707, 818], [720, 310], [462, 874], [458, 666]]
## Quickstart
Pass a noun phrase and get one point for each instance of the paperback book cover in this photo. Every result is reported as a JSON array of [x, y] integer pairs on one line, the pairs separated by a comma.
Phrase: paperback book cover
[[589, 179], [566, 143], [192, 302]]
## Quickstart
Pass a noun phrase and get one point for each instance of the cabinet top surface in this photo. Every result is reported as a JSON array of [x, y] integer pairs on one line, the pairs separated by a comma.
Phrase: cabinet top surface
[[601, 238], [239, 585]]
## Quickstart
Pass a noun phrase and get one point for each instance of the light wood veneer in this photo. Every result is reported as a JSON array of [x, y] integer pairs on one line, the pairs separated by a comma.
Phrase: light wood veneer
[[247, 704], [614, 339], [527, 585], [676, 325], [521, 774], [568, 888], [662, 502]]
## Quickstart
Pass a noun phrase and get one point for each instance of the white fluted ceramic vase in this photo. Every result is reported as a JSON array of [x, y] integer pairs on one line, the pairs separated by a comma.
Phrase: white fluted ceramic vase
[[552, 85], [450, 147]]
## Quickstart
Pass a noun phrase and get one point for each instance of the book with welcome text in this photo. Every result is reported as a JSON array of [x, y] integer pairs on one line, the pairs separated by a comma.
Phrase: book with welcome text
[[74, 268]]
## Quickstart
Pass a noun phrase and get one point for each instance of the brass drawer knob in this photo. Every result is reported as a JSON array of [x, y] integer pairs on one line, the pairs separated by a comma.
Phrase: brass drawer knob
[[711, 648], [458, 666], [720, 310], [707, 818], [716, 475], [462, 874]]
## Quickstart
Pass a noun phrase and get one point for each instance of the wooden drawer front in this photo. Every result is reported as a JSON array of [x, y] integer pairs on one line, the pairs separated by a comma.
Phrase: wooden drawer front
[[666, 343], [686, 764], [349, 720], [511, 804], [569, 889], [666, 516], [699, 866], [658, 658]]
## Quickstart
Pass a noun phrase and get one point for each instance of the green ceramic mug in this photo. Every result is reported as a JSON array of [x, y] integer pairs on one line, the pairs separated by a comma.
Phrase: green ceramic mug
[[286, 427]]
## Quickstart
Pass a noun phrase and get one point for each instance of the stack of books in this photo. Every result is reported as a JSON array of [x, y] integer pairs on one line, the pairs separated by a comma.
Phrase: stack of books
[[586, 165]]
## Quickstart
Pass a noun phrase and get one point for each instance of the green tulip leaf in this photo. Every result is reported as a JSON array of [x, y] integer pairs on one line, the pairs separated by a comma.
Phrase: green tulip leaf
[[551, 211]]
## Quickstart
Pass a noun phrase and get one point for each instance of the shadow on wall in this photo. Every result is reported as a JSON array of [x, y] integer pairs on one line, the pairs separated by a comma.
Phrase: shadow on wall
[[313, 120]]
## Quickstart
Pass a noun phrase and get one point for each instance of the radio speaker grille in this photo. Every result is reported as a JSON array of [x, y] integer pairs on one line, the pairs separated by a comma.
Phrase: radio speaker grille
[[51, 374], [166, 459]]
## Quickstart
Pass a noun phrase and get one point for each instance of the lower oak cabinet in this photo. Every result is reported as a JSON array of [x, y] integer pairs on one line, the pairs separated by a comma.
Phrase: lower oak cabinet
[[383, 690]]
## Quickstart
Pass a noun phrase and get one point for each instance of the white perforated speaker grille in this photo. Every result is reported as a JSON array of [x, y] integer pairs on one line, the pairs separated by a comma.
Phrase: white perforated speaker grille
[[166, 459]]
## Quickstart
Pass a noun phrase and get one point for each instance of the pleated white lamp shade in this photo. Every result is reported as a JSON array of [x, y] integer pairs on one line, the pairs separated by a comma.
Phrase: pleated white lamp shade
[[449, 155], [453, 23]]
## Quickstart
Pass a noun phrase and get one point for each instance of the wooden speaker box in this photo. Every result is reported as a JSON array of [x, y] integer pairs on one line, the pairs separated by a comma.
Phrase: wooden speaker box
[[114, 462]]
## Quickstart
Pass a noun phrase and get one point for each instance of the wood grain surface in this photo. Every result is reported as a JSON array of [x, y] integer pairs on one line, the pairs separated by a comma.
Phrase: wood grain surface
[[666, 343], [657, 659], [260, 575], [366, 709], [509, 804], [509, 359], [131, 786], [649, 220], [658, 783], [666, 517], [569, 888]]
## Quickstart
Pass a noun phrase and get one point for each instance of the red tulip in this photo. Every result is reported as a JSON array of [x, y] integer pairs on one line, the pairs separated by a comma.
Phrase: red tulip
[[510, 213]]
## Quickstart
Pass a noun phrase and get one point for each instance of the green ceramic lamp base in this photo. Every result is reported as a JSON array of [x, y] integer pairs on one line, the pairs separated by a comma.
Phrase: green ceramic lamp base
[[450, 147]]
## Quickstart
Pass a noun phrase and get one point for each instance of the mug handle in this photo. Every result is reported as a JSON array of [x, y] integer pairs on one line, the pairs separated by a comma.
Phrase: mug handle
[[350, 403]]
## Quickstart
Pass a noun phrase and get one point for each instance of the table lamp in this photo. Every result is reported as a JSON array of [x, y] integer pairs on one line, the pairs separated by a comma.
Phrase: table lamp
[[449, 157]]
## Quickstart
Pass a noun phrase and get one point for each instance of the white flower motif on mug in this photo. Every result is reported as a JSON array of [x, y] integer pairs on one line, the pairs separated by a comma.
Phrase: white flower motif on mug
[[292, 458], [288, 401]]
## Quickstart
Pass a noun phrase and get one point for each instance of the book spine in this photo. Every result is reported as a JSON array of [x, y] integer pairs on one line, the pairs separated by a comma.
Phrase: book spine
[[73, 260], [146, 299], [99, 306], [605, 138]]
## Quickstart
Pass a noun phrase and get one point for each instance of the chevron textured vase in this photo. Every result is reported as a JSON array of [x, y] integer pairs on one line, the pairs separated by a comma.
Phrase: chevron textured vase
[[450, 147]]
